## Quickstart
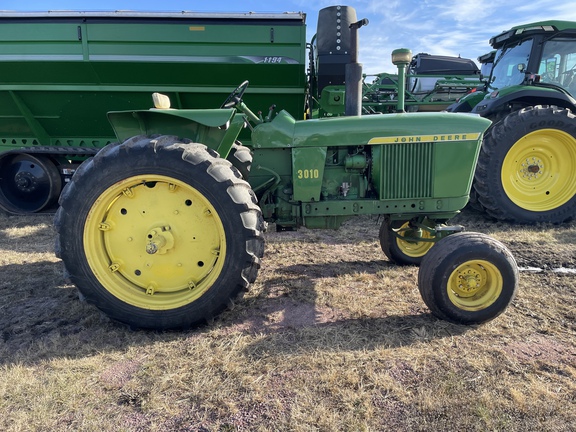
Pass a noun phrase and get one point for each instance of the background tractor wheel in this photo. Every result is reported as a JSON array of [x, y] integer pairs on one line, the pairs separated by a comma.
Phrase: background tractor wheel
[[468, 278], [399, 251], [527, 167], [158, 233], [473, 202]]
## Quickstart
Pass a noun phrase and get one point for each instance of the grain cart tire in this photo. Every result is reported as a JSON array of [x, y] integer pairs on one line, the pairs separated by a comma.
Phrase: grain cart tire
[[30, 183], [468, 278], [399, 251], [159, 234], [527, 167]]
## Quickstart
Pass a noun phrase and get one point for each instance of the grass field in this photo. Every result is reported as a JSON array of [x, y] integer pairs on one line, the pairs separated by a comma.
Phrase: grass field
[[331, 337]]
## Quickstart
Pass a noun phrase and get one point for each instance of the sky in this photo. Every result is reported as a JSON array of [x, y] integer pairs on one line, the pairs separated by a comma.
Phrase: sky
[[443, 27]]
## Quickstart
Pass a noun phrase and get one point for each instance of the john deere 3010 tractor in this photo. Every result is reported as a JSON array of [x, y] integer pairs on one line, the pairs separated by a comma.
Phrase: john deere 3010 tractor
[[165, 229]]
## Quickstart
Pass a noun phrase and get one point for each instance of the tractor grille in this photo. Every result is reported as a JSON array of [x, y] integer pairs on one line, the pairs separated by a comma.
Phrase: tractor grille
[[407, 171]]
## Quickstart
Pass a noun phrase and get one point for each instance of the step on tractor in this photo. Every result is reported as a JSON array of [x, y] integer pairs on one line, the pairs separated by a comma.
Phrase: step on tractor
[[165, 228], [527, 166]]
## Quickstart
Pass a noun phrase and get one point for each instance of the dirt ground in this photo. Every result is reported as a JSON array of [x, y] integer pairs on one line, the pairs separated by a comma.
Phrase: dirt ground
[[554, 251], [331, 336]]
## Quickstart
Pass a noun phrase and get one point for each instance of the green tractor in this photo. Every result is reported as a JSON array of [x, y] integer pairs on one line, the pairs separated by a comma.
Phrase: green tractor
[[527, 166], [432, 82], [164, 229]]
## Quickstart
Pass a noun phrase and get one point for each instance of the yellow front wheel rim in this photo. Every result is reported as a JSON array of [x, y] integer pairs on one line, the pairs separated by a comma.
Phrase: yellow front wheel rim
[[538, 170], [154, 242], [475, 285], [411, 248]]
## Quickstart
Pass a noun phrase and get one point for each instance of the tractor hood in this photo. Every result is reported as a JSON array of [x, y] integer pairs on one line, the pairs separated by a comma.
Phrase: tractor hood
[[285, 131]]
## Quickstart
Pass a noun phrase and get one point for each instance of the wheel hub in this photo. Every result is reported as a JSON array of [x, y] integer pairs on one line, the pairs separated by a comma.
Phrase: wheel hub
[[532, 168], [25, 182], [159, 240], [475, 285], [409, 240], [469, 281]]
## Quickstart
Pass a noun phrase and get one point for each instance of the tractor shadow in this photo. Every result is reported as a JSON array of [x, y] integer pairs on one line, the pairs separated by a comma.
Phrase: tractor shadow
[[41, 318], [362, 334], [290, 316]]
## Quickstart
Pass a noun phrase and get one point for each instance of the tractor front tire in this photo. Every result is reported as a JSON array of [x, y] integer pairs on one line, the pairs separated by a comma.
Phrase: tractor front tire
[[468, 278], [398, 250], [527, 167], [158, 233]]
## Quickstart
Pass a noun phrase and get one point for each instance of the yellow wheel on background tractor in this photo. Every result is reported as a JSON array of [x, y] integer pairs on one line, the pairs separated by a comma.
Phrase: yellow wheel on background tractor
[[158, 233], [468, 278], [526, 170], [539, 171]]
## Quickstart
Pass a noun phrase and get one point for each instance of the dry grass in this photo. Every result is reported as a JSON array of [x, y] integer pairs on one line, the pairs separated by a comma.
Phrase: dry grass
[[331, 337]]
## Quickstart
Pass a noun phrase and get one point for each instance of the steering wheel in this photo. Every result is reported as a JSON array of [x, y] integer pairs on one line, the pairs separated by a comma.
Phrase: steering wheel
[[569, 71], [236, 96]]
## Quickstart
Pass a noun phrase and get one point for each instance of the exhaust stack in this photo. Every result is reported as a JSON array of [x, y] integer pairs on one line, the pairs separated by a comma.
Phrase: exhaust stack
[[353, 77]]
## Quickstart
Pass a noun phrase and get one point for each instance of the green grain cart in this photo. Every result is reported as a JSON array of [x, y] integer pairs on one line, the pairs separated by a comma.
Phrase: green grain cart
[[62, 71]]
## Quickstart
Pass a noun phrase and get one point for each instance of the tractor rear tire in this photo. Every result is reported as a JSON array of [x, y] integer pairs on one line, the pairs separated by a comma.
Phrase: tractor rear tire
[[527, 167], [241, 157], [158, 233], [468, 278]]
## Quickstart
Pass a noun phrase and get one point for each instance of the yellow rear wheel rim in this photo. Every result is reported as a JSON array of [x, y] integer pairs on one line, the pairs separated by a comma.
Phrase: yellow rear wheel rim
[[154, 242], [538, 170], [475, 285], [414, 249]]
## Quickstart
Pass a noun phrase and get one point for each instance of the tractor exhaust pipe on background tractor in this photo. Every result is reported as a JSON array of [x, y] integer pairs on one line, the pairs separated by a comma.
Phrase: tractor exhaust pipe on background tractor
[[353, 73], [401, 58]]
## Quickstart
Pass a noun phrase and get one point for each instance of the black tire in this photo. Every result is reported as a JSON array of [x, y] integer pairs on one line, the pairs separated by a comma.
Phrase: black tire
[[527, 165], [30, 183], [473, 202], [159, 234], [468, 278], [401, 252], [241, 157]]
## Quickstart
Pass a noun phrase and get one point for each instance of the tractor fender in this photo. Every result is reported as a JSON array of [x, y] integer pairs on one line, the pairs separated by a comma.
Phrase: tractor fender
[[526, 96], [185, 123]]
